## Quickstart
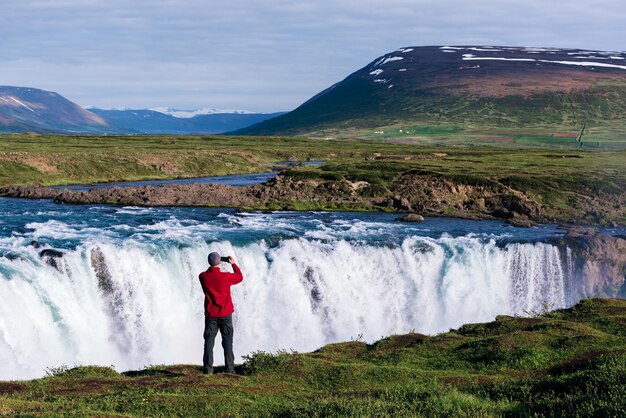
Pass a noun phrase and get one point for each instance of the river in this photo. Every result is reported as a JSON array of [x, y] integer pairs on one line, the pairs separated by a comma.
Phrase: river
[[125, 291]]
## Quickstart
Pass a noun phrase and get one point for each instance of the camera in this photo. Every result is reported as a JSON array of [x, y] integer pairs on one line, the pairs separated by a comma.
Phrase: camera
[[225, 259]]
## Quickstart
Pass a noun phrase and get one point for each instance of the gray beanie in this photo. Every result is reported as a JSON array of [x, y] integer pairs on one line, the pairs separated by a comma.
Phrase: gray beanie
[[214, 259]]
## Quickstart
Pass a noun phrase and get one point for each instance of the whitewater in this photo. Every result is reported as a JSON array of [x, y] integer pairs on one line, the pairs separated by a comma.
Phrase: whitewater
[[126, 293]]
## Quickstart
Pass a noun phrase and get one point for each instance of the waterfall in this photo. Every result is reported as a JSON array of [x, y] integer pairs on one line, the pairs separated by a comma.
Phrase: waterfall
[[130, 303]]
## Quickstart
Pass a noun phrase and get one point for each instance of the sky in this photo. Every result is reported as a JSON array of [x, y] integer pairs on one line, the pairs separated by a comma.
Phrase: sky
[[261, 55]]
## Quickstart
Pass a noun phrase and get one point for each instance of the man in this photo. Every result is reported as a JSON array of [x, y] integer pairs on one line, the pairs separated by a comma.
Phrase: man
[[218, 310]]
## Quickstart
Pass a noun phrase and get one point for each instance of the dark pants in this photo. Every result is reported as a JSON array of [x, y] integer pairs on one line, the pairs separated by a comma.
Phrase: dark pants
[[225, 325]]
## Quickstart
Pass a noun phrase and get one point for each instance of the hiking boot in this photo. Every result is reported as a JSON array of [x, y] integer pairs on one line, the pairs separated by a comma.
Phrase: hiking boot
[[231, 371], [207, 371]]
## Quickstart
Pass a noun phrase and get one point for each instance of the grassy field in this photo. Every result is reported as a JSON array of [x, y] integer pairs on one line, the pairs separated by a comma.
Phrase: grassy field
[[571, 181], [594, 138], [565, 363], [56, 159]]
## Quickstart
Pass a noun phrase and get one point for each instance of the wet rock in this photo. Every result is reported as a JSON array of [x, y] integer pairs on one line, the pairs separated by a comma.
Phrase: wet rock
[[580, 231], [600, 260], [401, 203], [52, 257], [520, 221], [410, 217], [49, 252], [501, 213], [102, 271]]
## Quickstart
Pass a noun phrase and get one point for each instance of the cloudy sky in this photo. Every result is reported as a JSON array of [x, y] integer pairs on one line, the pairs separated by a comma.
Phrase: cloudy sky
[[261, 55]]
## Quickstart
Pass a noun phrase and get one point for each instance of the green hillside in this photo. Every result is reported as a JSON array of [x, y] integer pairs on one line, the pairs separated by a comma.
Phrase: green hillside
[[427, 86]]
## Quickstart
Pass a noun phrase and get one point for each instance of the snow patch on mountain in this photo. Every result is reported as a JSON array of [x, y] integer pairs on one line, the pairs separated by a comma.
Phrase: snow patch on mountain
[[186, 114], [385, 60], [8, 99], [485, 49], [473, 58], [580, 63]]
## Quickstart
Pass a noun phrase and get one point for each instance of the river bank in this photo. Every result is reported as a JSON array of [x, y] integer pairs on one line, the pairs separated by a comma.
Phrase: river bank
[[423, 193]]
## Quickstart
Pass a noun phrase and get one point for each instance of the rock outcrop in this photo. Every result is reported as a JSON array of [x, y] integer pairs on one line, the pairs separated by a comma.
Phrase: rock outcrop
[[598, 263]]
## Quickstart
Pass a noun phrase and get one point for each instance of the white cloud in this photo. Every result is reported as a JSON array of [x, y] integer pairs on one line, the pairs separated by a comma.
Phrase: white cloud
[[260, 54]]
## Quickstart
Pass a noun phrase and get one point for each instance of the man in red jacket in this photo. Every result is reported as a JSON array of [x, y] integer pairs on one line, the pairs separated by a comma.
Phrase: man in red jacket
[[218, 310]]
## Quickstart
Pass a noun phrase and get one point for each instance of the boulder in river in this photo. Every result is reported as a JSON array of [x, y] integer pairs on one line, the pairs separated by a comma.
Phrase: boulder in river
[[52, 257], [410, 217]]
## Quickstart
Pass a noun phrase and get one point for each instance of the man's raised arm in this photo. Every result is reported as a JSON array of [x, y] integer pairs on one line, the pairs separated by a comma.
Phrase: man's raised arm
[[236, 277]]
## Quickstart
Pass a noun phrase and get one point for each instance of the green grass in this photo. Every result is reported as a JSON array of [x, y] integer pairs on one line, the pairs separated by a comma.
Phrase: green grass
[[565, 363], [570, 184], [596, 138]]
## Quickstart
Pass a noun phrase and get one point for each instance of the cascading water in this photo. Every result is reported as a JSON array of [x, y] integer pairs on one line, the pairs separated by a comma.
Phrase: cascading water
[[126, 293]]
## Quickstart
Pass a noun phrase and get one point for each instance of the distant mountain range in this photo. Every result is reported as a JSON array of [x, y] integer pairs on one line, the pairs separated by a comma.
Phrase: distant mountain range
[[179, 122], [468, 85], [24, 109]]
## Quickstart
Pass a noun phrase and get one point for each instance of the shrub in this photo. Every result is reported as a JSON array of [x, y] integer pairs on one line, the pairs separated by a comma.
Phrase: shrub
[[80, 372], [331, 176], [262, 361]]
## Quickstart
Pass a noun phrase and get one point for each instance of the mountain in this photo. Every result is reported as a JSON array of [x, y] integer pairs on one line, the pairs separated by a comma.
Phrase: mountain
[[24, 109], [179, 122], [470, 85]]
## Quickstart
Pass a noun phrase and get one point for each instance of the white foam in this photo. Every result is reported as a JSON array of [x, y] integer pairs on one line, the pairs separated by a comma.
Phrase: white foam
[[299, 294]]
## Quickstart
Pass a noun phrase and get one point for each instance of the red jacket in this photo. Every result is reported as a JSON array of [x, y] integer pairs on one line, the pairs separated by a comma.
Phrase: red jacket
[[216, 286]]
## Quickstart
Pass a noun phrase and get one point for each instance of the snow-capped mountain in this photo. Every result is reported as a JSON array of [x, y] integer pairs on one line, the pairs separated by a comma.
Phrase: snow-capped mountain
[[185, 114], [495, 85]]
